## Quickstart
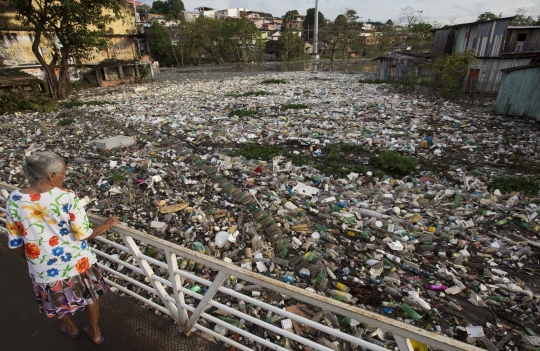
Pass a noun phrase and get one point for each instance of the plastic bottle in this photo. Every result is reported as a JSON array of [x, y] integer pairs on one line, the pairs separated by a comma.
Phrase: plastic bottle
[[393, 258], [341, 296], [242, 306], [413, 295], [341, 287], [232, 321], [410, 312]]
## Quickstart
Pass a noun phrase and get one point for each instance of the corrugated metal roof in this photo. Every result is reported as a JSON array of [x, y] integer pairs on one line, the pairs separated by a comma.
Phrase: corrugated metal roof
[[469, 23], [523, 27], [520, 67]]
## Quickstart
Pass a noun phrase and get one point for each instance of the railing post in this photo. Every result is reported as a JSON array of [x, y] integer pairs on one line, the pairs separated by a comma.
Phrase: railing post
[[177, 282], [209, 295], [149, 272], [404, 344]]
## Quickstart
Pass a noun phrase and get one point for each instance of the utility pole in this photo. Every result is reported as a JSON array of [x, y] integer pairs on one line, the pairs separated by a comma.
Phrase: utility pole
[[316, 31]]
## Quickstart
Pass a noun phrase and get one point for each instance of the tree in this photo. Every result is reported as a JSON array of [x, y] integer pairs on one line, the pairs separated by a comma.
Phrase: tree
[[290, 46], [389, 22], [161, 45], [289, 15], [159, 7], [176, 6], [522, 19], [410, 17], [420, 37], [309, 23], [74, 29], [488, 16]]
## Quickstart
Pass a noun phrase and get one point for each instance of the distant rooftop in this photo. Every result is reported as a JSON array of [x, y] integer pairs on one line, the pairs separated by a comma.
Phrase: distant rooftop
[[203, 8]]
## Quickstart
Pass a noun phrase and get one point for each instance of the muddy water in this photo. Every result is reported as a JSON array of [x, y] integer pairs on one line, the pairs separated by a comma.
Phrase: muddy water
[[232, 70]]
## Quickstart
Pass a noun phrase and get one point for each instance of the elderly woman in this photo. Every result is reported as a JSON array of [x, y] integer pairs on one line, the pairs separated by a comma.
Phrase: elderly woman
[[49, 229]]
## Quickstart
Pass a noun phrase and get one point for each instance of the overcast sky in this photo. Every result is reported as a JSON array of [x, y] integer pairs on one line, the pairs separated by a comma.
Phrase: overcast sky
[[443, 11]]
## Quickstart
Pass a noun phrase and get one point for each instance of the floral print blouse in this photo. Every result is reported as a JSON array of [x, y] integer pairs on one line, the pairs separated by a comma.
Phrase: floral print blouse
[[52, 228]]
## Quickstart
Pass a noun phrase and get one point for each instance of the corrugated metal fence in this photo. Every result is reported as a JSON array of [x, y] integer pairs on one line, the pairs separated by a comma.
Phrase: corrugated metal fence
[[519, 94]]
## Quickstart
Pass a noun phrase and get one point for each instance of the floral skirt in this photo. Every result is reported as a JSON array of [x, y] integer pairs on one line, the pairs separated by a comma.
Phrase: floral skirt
[[65, 297]]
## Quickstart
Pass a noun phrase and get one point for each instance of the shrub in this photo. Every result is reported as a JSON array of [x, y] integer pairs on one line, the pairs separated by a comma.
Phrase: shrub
[[17, 102], [371, 81], [65, 122], [257, 152], [293, 106], [449, 71], [394, 162], [251, 93], [242, 113], [275, 81], [508, 184]]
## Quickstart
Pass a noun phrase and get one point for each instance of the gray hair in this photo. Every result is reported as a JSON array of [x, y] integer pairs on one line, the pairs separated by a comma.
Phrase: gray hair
[[39, 165]]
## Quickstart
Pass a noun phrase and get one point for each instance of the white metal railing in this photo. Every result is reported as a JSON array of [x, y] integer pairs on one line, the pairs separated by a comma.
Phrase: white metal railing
[[162, 279]]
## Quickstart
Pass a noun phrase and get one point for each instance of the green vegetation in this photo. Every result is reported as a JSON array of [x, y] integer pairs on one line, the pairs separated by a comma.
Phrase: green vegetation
[[371, 81], [78, 103], [66, 122], [332, 163], [407, 84], [242, 113], [449, 72], [77, 26], [393, 162], [250, 93], [508, 184], [293, 106], [275, 81], [118, 177], [17, 102]]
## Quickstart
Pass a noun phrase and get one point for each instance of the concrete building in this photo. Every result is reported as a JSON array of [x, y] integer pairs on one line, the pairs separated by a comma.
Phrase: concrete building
[[118, 64], [189, 16], [206, 12], [231, 13]]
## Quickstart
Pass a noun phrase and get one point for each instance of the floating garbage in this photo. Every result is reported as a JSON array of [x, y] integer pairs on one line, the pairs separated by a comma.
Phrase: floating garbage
[[321, 208]]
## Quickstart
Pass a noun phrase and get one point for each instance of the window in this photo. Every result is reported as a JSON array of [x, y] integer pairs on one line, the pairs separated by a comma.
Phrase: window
[[522, 37]]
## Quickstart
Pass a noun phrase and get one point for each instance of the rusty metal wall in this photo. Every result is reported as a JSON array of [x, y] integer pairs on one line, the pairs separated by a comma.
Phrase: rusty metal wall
[[485, 38], [532, 43], [490, 76], [519, 94]]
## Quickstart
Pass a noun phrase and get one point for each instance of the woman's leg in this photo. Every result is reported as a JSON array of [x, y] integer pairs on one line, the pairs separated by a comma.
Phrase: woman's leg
[[93, 315], [71, 327]]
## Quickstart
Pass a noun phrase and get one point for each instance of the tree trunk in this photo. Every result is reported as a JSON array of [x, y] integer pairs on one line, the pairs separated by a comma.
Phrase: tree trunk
[[64, 82], [50, 76]]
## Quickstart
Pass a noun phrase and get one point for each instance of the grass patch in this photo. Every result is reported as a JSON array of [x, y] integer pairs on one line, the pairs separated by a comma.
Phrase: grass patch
[[331, 164], [250, 93], [508, 184], [275, 81], [393, 162], [293, 106], [371, 81], [66, 122], [242, 113], [253, 151], [118, 177], [17, 102], [78, 103]]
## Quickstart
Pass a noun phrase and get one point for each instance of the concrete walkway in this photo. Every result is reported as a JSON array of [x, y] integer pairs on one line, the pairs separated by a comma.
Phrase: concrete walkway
[[125, 325]]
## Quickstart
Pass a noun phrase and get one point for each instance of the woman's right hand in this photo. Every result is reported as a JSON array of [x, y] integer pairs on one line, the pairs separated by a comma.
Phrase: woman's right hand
[[112, 221]]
